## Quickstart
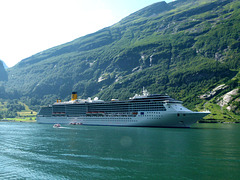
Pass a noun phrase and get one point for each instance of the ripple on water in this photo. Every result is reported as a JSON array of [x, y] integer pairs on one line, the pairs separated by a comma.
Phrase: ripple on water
[[34, 151]]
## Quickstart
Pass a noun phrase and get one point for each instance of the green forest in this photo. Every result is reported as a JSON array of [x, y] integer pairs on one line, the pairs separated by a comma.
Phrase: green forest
[[185, 49]]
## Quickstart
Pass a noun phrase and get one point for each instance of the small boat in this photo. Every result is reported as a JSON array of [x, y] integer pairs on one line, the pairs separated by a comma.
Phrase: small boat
[[56, 125]]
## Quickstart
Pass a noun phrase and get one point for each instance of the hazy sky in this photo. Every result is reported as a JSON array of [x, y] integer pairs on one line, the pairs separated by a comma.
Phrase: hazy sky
[[30, 26]]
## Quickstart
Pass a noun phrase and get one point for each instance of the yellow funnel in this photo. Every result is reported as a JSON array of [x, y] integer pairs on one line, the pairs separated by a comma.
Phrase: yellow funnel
[[74, 96]]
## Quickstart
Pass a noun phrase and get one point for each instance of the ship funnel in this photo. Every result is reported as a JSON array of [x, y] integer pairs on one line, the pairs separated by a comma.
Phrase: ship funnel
[[74, 96]]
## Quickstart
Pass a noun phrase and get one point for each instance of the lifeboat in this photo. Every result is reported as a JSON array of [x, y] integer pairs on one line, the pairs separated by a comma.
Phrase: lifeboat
[[57, 125]]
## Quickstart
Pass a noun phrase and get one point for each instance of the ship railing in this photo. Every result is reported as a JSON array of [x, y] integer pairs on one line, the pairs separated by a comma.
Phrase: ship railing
[[58, 114], [119, 114], [112, 114]]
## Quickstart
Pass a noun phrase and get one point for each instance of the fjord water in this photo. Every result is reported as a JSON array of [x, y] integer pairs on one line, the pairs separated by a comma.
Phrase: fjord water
[[39, 151]]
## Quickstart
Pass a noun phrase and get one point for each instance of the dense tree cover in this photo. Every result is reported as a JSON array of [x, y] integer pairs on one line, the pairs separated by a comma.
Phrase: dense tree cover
[[9, 108], [183, 48], [2, 91], [7, 114]]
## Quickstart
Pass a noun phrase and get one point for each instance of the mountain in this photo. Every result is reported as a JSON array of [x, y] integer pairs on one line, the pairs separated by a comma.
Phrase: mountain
[[3, 73], [4, 64], [184, 48]]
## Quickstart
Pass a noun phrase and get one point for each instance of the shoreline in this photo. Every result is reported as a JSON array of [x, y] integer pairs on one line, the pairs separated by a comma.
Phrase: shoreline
[[217, 122], [16, 120]]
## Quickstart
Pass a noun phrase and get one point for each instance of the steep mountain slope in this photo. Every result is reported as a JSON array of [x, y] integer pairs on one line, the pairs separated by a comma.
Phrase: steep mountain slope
[[184, 48], [3, 73], [4, 64]]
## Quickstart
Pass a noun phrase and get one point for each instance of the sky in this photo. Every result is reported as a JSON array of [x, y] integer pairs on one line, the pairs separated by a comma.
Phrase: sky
[[31, 26]]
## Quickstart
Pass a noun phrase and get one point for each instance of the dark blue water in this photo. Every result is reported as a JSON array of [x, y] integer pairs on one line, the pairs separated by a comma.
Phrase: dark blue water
[[39, 151]]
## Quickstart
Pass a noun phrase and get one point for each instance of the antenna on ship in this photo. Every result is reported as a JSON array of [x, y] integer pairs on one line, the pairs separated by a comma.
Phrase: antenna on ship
[[145, 92]]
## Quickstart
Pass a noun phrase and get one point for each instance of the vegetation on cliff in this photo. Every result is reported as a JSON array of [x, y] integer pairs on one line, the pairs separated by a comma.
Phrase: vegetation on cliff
[[184, 48]]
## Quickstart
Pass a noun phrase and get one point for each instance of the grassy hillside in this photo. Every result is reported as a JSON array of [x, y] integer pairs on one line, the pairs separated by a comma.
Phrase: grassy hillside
[[184, 48], [15, 110], [225, 103]]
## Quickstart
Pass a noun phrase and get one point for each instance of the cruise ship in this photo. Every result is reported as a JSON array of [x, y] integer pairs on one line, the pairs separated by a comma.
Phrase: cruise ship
[[147, 110]]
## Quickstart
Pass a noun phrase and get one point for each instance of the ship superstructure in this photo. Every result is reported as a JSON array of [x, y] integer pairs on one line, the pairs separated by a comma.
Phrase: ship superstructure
[[142, 110]]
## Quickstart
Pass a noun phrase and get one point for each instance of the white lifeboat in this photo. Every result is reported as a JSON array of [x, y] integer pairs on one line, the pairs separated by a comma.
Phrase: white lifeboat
[[57, 125]]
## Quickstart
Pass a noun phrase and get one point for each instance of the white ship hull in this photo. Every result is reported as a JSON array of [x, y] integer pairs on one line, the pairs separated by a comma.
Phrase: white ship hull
[[149, 119]]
